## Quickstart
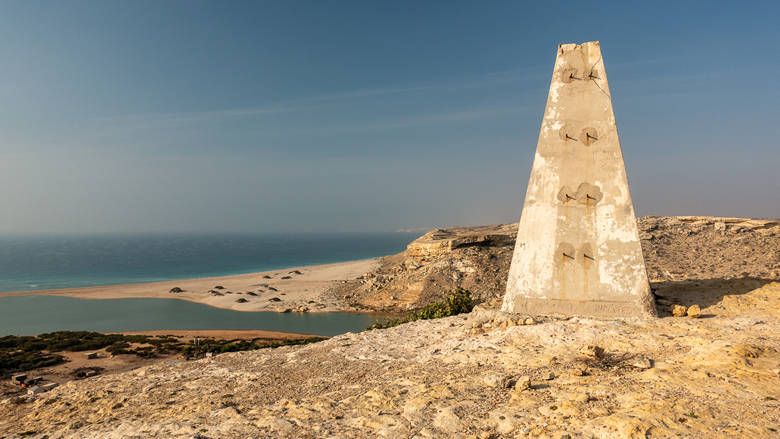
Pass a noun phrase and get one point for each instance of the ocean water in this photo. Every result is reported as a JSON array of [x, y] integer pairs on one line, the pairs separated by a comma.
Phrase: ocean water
[[47, 262], [29, 315]]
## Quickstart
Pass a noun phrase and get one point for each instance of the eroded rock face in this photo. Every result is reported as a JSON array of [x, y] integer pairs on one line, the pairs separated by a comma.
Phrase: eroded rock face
[[443, 241], [475, 258], [672, 377], [681, 254]]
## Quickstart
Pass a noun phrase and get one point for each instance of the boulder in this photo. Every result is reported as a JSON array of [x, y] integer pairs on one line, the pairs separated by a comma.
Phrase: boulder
[[679, 310]]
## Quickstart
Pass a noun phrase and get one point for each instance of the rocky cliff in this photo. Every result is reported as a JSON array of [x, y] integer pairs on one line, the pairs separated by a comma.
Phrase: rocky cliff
[[676, 249]]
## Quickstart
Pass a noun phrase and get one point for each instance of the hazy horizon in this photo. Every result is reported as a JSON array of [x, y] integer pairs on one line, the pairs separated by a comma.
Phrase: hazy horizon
[[268, 117]]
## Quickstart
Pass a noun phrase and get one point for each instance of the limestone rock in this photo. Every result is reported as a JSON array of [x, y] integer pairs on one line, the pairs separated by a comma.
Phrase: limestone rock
[[278, 425], [439, 241], [747, 248], [428, 378], [591, 351], [481, 316], [579, 370], [522, 383], [679, 310], [641, 363], [447, 421], [694, 311], [500, 381]]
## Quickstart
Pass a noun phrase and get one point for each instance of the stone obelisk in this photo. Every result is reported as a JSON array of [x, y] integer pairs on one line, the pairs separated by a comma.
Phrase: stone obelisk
[[578, 249]]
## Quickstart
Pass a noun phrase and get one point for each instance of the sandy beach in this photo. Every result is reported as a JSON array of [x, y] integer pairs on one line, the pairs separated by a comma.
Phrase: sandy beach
[[294, 289]]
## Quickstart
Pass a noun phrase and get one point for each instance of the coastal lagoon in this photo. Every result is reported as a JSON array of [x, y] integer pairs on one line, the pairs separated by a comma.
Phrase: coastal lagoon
[[29, 315]]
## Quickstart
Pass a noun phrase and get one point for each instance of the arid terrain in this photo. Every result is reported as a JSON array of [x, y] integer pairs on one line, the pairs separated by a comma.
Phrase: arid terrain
[[102, 362], [681, 253], [480, 375]]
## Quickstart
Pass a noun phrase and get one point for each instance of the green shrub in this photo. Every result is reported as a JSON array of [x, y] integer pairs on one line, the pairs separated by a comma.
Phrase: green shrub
[[458, 302], [119, 348], [20, 361], [20, 353]]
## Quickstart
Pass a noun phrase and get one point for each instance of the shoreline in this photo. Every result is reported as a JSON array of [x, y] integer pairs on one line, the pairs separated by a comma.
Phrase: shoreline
[[224, 334], [293, 289]]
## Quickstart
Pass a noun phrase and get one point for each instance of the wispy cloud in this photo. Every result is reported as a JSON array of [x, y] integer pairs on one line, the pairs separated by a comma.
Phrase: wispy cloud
[[307, 102], [430, 119]]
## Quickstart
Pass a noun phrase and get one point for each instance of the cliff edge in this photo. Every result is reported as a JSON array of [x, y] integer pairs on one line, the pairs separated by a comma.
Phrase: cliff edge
[[678, 251]]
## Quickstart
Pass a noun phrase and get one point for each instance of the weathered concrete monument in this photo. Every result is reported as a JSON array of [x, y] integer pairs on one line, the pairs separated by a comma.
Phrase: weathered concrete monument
[[577, 249]]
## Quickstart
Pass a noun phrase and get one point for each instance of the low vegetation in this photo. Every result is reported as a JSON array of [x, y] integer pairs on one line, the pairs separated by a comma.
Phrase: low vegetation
[[21, 353], [459, 301]]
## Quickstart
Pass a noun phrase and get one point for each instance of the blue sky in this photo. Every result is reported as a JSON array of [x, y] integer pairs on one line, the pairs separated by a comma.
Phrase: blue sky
[[191, 116]]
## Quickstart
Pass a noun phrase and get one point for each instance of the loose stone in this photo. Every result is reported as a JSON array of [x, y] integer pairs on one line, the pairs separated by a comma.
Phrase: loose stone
[[641, 363], [522, 383], [679, 310], [591, 351], [579, 370]]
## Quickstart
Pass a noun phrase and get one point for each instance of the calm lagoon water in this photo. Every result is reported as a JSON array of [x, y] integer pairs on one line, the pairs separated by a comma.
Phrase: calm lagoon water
[[28, 315], [48, 262]]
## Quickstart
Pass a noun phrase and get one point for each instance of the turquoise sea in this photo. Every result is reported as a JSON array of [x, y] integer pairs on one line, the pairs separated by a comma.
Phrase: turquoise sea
[[47, 262]]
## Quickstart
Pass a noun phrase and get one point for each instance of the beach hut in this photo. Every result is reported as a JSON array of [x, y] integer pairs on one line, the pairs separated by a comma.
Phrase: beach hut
[[19, 379]]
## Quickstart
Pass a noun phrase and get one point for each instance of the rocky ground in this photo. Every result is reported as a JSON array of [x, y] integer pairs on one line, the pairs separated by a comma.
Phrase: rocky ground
[[481, 375], [485, 374], [680, 252]]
